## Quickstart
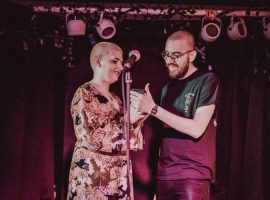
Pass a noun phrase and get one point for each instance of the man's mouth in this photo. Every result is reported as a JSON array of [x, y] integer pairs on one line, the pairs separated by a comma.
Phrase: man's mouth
[[172, 67]]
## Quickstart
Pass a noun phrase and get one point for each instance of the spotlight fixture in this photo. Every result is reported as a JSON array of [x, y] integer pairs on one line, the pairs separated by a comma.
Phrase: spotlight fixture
[[75, 27], [237, 29], [105, 28], [266, 28], [210, 31]]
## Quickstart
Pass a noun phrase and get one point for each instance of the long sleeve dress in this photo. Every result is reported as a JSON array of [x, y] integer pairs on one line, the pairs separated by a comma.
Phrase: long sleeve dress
[[99, 164]]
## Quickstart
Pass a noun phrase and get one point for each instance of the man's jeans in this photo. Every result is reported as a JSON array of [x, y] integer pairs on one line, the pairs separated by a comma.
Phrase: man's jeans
[[186, 189]]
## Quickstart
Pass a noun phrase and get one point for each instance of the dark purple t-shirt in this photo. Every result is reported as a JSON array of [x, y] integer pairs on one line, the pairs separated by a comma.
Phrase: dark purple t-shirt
[[181, 156]]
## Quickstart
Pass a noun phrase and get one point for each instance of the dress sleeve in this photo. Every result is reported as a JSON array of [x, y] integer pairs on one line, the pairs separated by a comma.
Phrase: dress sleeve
[[83, 123], [136, 138]]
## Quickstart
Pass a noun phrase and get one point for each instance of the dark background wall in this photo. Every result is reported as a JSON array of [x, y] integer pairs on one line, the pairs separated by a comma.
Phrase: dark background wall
[[37, 136]]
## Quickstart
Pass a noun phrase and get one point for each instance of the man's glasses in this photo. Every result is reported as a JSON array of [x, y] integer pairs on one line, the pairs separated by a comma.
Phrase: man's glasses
[[173, 56]]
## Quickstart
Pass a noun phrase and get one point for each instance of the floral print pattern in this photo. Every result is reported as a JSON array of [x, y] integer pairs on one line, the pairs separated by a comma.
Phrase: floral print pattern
[[99, 164]]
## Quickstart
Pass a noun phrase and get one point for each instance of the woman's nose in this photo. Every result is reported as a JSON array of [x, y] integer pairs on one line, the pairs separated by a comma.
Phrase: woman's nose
[[120, 66]]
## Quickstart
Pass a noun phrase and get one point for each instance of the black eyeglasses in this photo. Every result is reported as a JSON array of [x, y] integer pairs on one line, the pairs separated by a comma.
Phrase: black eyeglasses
[[173, 56]]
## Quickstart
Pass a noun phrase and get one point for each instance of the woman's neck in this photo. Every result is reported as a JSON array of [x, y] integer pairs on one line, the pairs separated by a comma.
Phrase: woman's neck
[[103, 88], [101, 85]]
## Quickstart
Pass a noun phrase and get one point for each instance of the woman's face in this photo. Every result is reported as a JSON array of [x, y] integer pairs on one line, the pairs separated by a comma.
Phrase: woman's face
[[111, 65]]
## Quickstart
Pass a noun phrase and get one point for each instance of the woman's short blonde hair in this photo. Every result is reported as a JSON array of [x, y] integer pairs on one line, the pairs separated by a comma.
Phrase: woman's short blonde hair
[[100, 49]]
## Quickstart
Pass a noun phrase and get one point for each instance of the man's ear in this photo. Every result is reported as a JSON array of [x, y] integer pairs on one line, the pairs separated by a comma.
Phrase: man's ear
[[192, 56]]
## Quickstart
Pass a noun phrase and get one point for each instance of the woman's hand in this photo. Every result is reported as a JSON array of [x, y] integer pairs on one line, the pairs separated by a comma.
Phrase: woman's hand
[[135, 115]]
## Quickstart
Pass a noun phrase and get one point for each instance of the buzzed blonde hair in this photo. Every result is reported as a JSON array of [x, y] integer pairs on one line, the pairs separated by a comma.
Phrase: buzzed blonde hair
[[183, 35], [100, 49]]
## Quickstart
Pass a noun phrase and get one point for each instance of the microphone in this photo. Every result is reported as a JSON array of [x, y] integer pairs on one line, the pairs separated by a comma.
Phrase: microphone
[[133, 57]]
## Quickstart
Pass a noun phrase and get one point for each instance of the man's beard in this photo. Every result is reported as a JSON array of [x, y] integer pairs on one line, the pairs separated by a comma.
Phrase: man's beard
[[178, 72]]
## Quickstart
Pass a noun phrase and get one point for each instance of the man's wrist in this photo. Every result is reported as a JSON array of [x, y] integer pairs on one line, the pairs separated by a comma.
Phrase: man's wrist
[[154, 110]]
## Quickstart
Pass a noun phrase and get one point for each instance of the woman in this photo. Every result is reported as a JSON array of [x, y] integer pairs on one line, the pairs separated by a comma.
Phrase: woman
[[99, 164]]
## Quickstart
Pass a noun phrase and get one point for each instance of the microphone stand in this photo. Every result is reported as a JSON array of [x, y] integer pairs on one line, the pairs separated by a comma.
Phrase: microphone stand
[[128, 80]]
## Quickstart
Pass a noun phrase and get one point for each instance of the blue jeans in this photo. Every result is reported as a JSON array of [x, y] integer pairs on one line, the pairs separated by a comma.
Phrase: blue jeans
[[186, 189]]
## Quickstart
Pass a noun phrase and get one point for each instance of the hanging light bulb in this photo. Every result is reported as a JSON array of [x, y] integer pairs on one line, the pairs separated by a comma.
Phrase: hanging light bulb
[[58, 42], [266, 28], [68, 56]]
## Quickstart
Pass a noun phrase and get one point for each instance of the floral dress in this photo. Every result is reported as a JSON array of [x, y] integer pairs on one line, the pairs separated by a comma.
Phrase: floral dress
[[99, 163]]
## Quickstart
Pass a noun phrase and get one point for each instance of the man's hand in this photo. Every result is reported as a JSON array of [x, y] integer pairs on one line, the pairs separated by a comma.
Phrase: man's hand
[[143, 103]]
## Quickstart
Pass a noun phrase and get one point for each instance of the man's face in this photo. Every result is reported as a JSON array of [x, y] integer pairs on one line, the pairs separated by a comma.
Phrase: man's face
[[176, 56]]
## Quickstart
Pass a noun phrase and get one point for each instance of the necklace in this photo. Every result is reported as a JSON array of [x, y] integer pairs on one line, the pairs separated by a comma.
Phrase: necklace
[[106, 94], [110, 97]]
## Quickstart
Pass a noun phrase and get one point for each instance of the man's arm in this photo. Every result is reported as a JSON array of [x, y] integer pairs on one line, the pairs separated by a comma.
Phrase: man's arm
[[193, 127]]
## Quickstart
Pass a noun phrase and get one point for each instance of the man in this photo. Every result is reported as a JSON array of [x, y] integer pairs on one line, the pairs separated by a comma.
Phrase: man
[[187, 154]]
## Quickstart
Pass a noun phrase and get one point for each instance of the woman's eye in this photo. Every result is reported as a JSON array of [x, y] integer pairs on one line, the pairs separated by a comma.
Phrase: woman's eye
[[114, 61]]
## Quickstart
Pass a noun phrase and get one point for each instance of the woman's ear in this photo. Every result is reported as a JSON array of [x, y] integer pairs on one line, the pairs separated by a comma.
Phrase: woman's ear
[[192, 56], [98, 64]]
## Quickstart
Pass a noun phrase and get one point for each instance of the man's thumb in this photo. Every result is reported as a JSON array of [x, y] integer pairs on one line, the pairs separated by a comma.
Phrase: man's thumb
[[147, 89]]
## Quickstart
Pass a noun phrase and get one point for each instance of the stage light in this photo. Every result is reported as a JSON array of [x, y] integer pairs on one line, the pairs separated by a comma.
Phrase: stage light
[[266, 28], [75, 27], [210, 31], [105, 28], [237, 29]]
